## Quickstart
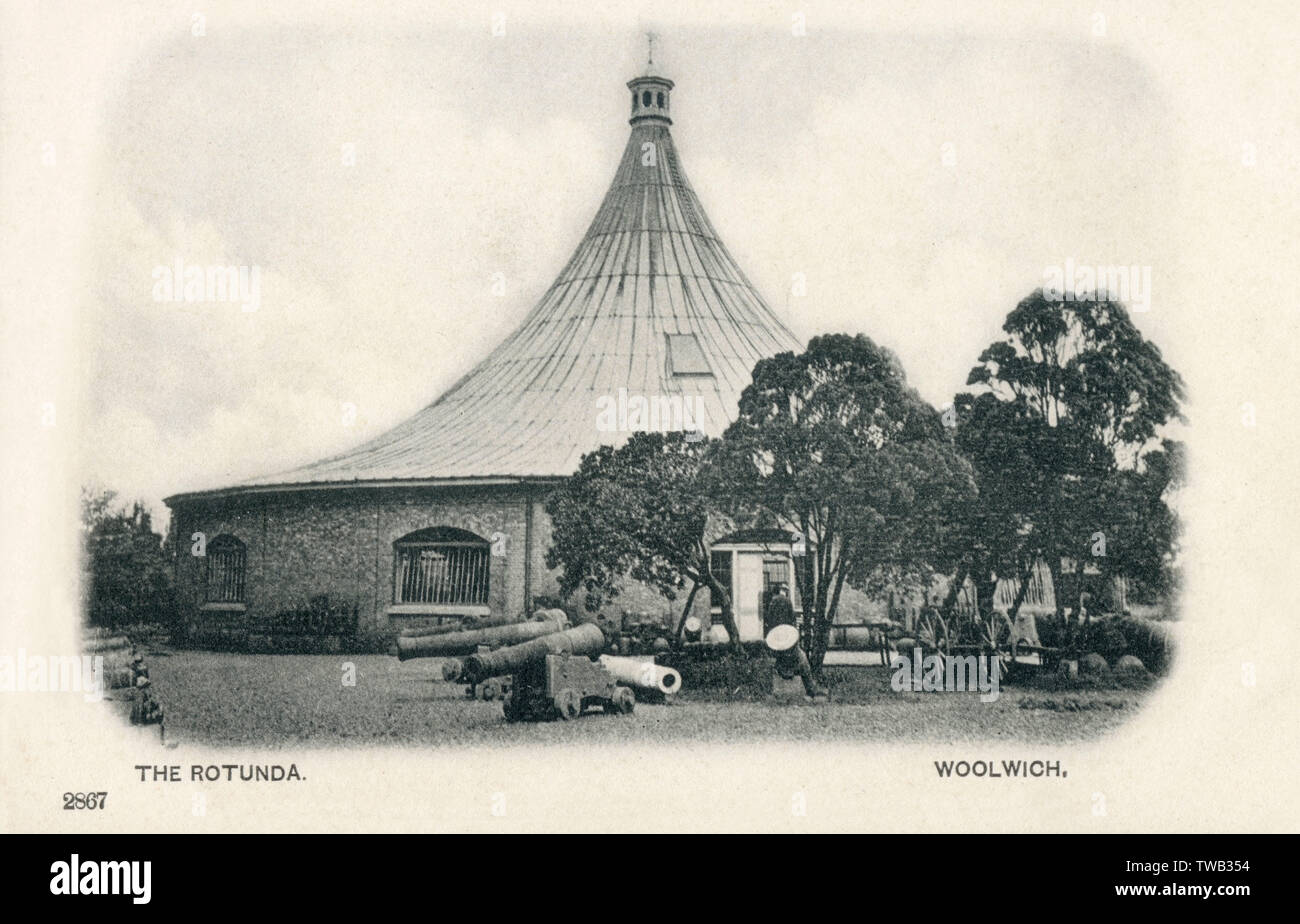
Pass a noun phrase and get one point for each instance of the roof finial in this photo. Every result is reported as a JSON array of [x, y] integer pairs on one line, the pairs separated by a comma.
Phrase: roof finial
[[650, 91]]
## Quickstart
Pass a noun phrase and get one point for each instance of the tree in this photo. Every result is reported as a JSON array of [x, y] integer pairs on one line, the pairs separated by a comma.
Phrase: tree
[[128, 574], [1071, 397], [834, 444], [646, 510], [1002, 440], [1141, 527]]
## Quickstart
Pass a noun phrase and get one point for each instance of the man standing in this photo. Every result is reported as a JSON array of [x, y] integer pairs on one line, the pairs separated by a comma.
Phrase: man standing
[[780, 612]]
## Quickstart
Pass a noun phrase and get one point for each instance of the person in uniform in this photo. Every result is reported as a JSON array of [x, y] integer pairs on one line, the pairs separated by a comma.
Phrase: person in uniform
[[780, 611]]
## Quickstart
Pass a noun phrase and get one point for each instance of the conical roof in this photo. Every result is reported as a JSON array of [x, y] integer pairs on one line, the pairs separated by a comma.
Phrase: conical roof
[[650, 305]]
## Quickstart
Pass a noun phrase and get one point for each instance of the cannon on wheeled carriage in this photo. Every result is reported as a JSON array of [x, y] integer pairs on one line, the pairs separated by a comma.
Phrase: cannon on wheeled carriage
[[553, 676]]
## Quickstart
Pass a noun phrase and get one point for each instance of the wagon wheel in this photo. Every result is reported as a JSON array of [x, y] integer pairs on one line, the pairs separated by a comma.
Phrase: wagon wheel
[[998, 638], [568, 704], [932, 631], [624, 701]]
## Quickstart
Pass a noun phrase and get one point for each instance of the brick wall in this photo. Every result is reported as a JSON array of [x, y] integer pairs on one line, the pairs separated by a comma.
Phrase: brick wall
[[340, 542]]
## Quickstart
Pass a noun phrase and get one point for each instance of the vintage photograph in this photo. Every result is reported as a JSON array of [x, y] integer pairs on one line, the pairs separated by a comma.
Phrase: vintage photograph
[[916, 477]]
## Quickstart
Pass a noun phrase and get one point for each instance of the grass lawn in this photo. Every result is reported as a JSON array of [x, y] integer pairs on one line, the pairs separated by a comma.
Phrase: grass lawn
[[270, 700]]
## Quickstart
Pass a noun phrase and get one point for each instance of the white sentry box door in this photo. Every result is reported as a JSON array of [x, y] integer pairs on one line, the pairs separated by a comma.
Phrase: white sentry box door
[[749, 596]]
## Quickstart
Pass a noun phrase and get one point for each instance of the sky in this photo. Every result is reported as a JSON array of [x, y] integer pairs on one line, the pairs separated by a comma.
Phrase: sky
[[920, 183]]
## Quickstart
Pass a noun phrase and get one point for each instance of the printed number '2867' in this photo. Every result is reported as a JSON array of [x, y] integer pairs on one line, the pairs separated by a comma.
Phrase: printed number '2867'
[[84, 800]]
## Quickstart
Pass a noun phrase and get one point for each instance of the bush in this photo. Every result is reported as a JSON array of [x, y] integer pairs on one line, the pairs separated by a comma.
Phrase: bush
[[322, 615], [716, 671], [1049, 631], [1151, 642], [1106, 639]]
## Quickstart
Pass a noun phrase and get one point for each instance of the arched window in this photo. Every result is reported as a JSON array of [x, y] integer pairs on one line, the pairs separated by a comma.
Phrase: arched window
[[645, 99], [441, 565], [661, 101], [224, 581]]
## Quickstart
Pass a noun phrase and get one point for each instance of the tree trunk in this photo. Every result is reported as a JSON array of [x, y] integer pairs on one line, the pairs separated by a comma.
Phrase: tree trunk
[[821, 640], [724, 603], [1078, 571], [728, 618], [1058, 593], [815, 633], [686, 612], [1026, 575], [986, 588], [954, 589]]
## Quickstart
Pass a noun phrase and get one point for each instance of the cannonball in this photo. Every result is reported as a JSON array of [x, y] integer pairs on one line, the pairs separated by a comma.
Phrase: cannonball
[[1130, 664], [1093, 663]]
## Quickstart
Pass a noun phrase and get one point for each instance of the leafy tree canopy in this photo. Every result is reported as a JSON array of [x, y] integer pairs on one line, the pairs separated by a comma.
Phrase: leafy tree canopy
[[646, 510], [834, 443], [1068, 399], [128, 572]]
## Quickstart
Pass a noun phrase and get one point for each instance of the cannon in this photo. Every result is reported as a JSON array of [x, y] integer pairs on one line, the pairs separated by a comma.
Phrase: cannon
[[783, 640], [552, 676], [464, 624], [643, 674], [453, 671], [455, 644], [858, 637], [474, 623], [580, 640]]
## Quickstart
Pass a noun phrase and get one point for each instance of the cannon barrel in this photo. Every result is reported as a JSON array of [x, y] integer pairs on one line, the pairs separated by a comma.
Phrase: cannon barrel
[[472, 624], [853, 638], [468, 624], [453, 644], [784, 641], [642, 674], [580, 640]]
